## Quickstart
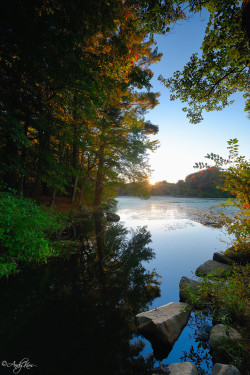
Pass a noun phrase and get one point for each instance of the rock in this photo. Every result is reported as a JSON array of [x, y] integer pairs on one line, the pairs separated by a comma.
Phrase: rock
[[112, 217], [220, 332], [220, 369], [212, 267], [220, 338], [211, 224], [183, 368], [185, 286], [237, 257], [162, 326], [204, 332], [222, 258]]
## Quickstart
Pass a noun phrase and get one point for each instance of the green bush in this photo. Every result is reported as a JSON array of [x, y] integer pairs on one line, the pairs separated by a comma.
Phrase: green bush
[[227, 301], [25, 228]]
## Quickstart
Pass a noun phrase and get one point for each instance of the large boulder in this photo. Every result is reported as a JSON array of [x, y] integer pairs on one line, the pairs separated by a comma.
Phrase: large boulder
[[213, 267], [222, 258], [112, 217], [162, 326], [183, 368], [186, 286], [222, 337], [221, 369]]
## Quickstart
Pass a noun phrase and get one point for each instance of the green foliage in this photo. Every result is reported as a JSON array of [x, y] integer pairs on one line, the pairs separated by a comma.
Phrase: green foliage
[[207, 82], [201, 184], [204, 184], [228, 300], [71, 115], [228, 303], [236, 171], [25, 230]]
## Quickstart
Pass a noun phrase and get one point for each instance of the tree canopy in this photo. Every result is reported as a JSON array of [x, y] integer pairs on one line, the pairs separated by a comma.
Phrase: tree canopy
[[75, 89], [208, 81]]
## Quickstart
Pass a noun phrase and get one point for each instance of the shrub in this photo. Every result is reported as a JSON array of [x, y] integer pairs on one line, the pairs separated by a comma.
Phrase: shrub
[[25, 228], [236, 171]]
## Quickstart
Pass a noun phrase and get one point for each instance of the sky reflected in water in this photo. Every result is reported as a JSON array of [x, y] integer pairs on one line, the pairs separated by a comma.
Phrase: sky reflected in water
[[181, 241]]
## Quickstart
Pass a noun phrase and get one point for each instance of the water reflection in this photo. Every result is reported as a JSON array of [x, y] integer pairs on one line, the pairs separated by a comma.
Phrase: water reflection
[[169, 208], [182, 242], [76, 313]]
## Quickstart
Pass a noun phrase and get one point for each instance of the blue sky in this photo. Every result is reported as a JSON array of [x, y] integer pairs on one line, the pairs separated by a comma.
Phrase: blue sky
[[182, 143]]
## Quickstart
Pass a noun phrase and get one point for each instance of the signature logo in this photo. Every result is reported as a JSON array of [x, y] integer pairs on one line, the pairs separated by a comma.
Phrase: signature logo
[[17, 367]]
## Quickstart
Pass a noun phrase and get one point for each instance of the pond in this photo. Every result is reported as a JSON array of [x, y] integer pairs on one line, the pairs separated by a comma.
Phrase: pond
[[183, 237], [75, 314]]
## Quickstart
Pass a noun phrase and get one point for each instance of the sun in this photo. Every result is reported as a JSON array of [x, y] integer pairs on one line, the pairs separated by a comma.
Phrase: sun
[[151, 181]]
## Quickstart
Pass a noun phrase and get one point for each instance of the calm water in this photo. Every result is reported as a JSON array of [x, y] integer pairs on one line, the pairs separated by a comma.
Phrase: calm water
[[75, 314], [180, 239], [181, 242]]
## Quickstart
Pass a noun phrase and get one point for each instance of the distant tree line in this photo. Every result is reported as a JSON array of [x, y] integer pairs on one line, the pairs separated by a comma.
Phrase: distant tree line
[[200, 184]]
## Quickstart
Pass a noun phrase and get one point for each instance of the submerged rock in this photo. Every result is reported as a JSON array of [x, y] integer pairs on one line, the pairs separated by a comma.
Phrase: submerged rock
[[213, 267], [204, 332], [186, 286], [220, 338], [112, 217], [221, 369], [162, 326]]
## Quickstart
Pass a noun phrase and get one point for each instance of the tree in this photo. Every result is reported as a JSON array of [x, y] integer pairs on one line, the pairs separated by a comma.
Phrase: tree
[[207, 82], [64, 66], [236, 170], [71, 290], [205, 183]]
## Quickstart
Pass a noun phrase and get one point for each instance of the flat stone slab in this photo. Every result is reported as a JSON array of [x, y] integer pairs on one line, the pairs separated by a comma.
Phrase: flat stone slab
[[164, 324], [186, 285], [221, 369], [183, 368], [213, 267]]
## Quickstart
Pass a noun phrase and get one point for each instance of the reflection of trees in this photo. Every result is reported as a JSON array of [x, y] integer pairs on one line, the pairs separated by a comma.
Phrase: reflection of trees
[[76, 314], [198, 353]]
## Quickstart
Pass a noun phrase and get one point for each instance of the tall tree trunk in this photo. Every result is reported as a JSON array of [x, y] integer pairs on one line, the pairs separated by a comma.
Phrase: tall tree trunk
[[53, 197], [52, 201], [44, 144], [81, 192], [75, 153], [99, 178], [100, 246], [76, 183], [74, 190]]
